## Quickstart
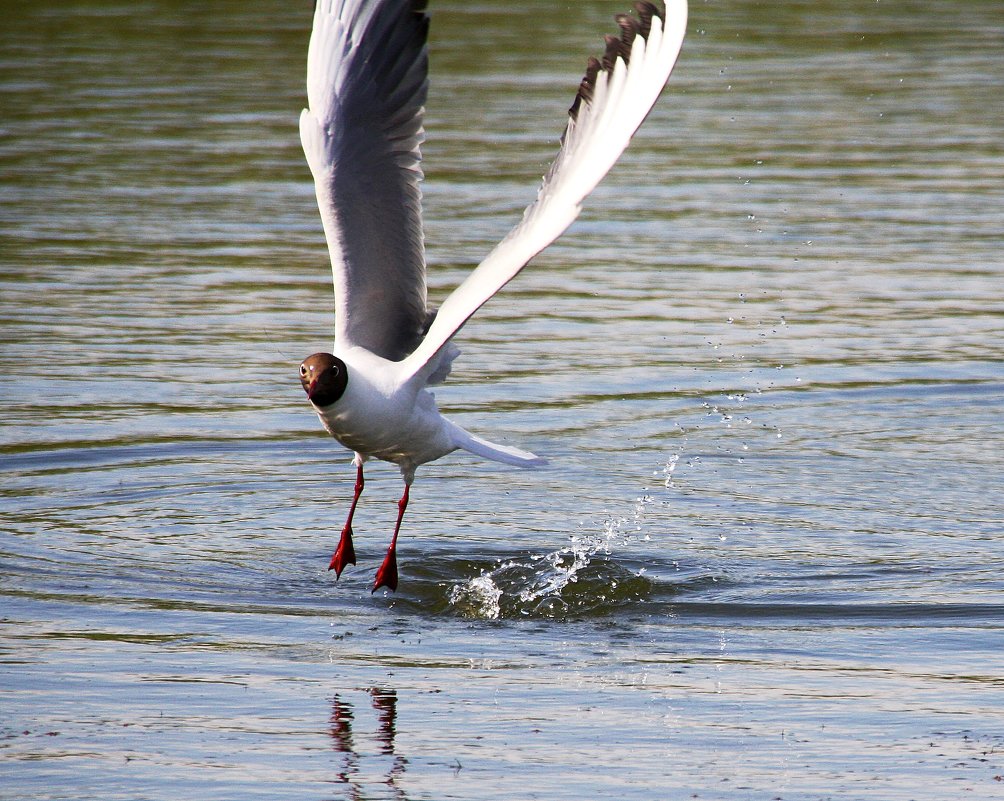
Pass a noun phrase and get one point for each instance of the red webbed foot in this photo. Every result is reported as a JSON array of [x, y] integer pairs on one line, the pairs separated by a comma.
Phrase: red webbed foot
[[345, 553], [386, 576]]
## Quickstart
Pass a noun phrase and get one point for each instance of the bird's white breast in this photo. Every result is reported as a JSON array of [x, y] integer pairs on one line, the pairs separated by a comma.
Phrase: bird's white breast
[[378, 416]]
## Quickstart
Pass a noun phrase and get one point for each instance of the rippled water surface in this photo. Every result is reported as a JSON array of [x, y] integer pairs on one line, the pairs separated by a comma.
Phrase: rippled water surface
[[765, 366]]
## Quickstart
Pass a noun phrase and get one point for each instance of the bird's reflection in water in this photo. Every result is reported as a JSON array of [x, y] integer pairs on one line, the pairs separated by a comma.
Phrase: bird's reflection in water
[[367, 747], [385, 704]]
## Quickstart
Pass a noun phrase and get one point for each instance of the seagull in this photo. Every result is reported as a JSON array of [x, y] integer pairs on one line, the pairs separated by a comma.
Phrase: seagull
[[367, 83]]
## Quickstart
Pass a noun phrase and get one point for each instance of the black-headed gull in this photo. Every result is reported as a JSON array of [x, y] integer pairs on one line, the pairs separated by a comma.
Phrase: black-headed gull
[[367, 80]]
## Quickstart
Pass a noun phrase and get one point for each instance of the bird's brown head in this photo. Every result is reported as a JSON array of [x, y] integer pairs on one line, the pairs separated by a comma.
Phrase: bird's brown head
[[324, 378]]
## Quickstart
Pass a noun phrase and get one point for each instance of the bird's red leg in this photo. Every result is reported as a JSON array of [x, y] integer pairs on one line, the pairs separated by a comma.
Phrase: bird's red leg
[[387, 574], [345, 554]]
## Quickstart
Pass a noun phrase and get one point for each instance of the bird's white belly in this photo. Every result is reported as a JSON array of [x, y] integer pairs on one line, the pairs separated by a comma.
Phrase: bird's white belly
[[407, 437]]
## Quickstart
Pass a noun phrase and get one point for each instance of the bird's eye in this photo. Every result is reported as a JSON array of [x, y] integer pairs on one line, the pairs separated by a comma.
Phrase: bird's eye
[[303, 369]]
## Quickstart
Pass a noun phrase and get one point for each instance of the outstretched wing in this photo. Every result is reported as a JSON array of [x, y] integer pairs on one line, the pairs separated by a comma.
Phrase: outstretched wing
[[367, 68], [614, 98]]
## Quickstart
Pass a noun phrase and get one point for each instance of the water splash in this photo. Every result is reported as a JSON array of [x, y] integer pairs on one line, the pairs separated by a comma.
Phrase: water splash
[[580, 578], [667, 471], [478, 598]]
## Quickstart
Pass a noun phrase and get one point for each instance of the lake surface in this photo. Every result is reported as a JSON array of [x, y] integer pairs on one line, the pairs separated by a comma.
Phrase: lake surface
[[766, 365]]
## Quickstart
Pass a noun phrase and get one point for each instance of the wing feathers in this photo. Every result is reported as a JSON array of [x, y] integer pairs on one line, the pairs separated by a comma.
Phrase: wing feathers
[[613, 99], [367, 68]]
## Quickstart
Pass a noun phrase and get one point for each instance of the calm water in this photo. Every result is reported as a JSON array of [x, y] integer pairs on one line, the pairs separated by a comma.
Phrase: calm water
[[767, 366]]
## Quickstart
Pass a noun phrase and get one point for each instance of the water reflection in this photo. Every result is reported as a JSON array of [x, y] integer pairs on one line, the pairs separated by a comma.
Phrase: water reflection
[[360, 761]]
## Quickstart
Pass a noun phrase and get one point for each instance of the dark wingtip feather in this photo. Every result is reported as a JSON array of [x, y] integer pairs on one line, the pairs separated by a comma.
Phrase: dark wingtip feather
[[630, 28], [616, 47], [614, 50], [645, 12], [586, 87]]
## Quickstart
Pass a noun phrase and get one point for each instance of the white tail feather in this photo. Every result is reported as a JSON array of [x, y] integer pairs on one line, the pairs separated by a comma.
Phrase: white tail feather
[[491, 450]]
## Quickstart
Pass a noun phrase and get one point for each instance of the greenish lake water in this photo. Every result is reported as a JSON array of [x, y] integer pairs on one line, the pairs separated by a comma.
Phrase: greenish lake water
[[766, 365]]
